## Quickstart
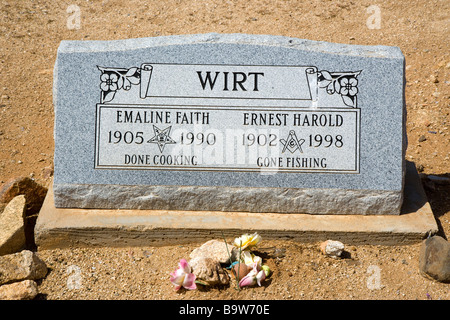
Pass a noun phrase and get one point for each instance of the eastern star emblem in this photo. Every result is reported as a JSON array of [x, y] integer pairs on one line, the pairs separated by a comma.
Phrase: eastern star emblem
[[162, 137], [292, 143]]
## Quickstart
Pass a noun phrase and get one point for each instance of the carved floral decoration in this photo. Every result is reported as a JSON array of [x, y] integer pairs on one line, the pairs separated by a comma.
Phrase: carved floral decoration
[[114, 79], [343, 83]]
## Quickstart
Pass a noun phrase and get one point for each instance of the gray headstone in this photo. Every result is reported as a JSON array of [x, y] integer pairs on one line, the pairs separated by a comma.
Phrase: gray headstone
[[229, 122]]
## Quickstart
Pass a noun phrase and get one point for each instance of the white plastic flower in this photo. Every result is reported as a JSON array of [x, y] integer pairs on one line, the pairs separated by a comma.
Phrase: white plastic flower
[[247, 241], [249, 259]]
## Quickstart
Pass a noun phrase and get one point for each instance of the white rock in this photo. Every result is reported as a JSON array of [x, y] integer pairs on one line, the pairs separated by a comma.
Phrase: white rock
[[332, 248], [216, 250]]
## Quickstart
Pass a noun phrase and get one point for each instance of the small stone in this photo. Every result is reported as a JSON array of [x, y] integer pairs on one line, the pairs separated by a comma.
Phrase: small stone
[[434, 78], [434, 259], [24, 265], [216, 250], [332, 248], [436, 94], [24, 290], [240, 270], [12, 226], [209, 271], [422, 138], [47, 172], [279, 252]]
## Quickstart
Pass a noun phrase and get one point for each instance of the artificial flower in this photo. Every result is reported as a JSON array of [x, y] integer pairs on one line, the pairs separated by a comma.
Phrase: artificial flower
[[260, 277], [255, 276], [247, 241], [266, 270], [249, 259], [182, 277]]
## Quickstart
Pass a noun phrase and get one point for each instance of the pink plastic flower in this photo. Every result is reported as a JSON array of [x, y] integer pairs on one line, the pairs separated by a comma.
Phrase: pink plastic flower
[[182, 277], [255, 276]]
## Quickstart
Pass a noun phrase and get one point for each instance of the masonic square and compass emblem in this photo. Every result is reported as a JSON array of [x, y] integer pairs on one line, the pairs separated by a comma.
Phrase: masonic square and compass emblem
[[292, 143]]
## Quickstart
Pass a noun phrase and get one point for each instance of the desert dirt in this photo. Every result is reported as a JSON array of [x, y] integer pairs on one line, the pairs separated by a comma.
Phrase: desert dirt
[[30, 32]]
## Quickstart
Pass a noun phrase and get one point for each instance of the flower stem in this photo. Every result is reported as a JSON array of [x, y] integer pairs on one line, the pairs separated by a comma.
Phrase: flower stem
[[239, 265]]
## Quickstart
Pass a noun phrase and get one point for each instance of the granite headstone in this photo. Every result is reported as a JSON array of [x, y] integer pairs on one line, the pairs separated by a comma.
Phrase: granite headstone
[[229, 122]]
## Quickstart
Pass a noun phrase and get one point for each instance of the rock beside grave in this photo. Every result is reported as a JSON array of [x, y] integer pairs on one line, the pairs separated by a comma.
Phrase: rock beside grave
[[332, 248], [209, 271], [34, 193], [216, 250], [12, 226], [24, 265], [434, 259], [23, 290]]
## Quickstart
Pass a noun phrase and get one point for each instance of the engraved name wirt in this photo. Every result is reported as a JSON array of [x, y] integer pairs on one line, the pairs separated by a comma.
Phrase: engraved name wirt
[[226, 80]]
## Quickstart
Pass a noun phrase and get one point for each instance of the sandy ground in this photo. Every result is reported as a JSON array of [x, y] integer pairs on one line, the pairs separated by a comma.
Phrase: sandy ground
[[30, 32], [300, 271]]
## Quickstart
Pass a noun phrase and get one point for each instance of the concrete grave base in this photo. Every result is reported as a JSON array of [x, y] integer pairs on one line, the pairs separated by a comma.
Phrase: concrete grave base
[[59, 228]]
